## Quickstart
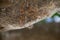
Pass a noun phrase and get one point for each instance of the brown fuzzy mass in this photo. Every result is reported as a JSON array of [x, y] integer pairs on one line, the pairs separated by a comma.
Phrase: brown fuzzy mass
[[24, 11]]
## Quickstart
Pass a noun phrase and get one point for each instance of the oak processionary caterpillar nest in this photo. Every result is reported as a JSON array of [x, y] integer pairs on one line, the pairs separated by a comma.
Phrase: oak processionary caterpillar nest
[[25, 13]]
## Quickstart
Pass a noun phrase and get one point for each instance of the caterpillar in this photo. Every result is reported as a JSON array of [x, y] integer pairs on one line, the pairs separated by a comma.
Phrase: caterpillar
[[18, 14]]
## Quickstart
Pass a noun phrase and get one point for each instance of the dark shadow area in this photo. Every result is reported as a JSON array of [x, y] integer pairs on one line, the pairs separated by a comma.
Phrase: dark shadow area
[[50, 31]]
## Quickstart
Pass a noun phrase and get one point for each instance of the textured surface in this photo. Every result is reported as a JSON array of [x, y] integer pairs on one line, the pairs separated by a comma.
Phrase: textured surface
[[7, 3], [26, 11]]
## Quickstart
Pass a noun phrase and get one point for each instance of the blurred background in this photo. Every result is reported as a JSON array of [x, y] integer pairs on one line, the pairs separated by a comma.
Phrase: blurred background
[[47, 29]]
